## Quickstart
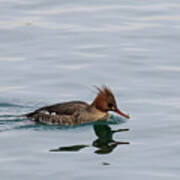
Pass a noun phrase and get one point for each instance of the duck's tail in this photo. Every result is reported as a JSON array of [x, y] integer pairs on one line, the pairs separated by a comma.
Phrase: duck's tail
[[26, 115]]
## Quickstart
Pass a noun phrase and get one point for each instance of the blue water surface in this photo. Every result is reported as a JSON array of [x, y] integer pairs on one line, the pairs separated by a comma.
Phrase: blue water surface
[[55, 51]]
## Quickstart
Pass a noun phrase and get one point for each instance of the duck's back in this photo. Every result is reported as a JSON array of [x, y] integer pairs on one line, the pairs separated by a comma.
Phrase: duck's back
[[66, 108]]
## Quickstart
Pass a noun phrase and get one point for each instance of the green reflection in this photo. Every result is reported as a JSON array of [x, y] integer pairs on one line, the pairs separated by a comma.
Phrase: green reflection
[[104, 142], [70, 148]]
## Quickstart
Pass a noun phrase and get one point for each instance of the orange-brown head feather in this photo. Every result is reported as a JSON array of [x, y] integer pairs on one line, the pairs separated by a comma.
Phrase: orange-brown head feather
[[105, 101]]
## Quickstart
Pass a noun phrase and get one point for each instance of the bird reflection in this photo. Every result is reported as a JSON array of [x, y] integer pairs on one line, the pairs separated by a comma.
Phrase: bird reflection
[[104, 142]]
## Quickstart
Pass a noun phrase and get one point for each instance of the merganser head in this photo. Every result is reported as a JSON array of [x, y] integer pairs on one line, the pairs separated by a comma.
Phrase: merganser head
[[105, 101]]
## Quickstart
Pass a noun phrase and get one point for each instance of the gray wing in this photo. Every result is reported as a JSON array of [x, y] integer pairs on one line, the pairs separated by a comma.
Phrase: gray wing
[[67, 108]]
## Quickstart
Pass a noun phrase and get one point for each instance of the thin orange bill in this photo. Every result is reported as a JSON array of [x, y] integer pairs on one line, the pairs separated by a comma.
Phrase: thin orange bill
[[122, 114]]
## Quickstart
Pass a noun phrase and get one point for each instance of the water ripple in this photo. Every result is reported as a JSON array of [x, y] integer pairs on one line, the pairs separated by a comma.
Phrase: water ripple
[[10, 88], [11, 59], [91, 8]]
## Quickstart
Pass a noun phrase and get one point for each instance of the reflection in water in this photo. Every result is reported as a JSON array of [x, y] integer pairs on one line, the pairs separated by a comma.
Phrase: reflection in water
[[70, 148], [104, 142]]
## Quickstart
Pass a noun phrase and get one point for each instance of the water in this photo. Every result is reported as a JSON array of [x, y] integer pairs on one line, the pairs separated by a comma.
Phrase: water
[[53, 51]]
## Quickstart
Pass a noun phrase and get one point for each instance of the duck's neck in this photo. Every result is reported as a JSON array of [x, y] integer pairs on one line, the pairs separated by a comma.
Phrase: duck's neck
[[98, 104], [97, 114]]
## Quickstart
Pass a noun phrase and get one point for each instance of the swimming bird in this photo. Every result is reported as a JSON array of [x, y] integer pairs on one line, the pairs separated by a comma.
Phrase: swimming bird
[[78, 112]]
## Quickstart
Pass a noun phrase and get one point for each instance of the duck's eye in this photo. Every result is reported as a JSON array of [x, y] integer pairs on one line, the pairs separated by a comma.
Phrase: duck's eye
[[110, 105]]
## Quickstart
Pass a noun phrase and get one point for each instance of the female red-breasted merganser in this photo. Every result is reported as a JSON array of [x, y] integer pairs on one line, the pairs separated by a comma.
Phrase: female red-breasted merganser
[[78, 112]]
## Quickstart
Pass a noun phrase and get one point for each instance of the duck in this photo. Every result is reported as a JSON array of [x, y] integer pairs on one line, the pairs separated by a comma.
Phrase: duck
[[78, 112]]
